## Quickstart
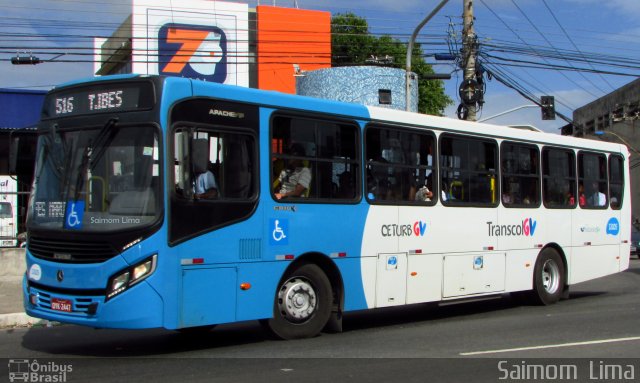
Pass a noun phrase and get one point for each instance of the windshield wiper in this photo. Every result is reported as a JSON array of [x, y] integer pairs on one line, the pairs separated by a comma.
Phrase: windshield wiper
[[98, 147], [102, 141]]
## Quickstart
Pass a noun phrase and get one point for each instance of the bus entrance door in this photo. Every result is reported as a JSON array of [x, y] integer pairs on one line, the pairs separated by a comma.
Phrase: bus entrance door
[[8, 212], [391, 281]]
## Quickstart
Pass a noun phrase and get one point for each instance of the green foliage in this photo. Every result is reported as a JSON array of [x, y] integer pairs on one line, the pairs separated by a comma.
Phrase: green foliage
[[352, 44]]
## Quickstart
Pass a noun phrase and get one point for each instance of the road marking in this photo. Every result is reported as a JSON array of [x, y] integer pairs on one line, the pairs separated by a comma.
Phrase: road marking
[[551, 346]]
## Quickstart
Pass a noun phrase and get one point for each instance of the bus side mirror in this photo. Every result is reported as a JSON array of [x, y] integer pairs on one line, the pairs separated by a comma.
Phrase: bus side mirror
[[13, 154]]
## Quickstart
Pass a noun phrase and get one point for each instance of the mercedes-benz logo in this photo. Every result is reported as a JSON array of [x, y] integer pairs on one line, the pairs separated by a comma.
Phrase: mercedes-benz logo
[[60, 276]]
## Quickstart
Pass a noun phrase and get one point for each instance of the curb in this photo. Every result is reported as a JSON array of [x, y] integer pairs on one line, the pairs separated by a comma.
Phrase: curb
[[22, 320]]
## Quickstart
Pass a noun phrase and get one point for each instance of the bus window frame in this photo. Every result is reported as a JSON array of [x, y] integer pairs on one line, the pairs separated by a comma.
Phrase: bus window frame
[[314, 160], [622, 183], [496, 171], [582, 179], [575, 177], [175, 201], [538, 175], [425, 131]]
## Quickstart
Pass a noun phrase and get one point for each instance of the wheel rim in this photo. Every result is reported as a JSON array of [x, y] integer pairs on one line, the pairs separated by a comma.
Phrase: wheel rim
[[297, 300], [550, 276]]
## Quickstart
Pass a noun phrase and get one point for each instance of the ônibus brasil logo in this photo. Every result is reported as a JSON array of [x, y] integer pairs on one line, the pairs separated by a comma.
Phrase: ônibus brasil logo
[[417, 229], [527, 228]]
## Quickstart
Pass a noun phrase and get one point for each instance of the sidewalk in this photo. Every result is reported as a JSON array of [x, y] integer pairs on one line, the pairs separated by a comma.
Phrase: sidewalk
[[12, 269]]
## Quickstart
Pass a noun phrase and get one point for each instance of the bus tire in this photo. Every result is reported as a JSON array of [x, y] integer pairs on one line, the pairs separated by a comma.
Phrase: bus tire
[[548, 278], [302, 304]]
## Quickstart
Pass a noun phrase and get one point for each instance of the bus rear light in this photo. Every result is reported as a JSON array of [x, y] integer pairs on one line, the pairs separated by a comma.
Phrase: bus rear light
[[130, 276], [289, 256], [587, 243], [488, 248], [538, 246], [413, 273], [245, 286], [417, 251], [341, 254]]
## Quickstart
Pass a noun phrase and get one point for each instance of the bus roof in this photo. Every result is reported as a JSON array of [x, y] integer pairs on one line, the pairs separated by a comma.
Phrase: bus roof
[[368, 113]]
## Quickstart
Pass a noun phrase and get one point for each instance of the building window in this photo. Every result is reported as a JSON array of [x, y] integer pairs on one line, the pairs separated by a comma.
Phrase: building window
[[384, 96]]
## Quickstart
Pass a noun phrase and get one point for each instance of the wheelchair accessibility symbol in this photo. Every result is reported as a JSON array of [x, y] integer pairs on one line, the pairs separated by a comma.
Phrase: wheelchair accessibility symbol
[[279, 229], [73, 215]]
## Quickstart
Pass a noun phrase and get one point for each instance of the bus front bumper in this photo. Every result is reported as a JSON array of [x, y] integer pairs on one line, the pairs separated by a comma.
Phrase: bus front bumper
[[137, 308]]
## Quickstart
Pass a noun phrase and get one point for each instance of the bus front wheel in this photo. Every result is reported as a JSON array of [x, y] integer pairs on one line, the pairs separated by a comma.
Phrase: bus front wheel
[[302, 304], [548, 278]]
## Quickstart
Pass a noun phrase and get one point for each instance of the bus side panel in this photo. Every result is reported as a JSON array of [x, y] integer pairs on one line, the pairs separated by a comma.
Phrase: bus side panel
[[596, 243], [380, 236], [209, 296], [625, 219], [521, 234]]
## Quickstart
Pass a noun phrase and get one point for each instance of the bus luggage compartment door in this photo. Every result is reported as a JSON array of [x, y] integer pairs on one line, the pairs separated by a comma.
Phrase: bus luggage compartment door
[[208, 296], [391, 281], [470, 274]]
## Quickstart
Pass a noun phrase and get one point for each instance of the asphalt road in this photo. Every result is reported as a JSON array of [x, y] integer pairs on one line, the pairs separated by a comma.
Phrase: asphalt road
[[476, 341]]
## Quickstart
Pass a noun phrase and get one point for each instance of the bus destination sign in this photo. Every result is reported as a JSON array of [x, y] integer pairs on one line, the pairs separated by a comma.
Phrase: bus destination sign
[[106, 98]]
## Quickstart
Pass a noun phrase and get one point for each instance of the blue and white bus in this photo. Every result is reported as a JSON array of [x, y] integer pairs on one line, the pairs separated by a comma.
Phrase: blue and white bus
[[384, 208]]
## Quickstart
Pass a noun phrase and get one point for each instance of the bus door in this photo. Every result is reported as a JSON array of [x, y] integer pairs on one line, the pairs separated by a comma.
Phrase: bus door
[[8, 212]]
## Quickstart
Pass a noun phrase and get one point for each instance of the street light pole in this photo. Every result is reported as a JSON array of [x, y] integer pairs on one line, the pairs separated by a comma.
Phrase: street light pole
[[509, 111], [410, 49], [602, 133]]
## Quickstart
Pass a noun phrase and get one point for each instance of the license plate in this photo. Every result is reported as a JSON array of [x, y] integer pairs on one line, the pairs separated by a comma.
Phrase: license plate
[[61, 305]]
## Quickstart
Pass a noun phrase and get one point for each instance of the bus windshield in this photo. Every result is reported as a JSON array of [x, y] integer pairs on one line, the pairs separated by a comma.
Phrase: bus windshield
[[97, 180]]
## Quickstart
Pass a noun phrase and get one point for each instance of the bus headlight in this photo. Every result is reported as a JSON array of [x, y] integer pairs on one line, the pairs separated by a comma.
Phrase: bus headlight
[[126, 278]]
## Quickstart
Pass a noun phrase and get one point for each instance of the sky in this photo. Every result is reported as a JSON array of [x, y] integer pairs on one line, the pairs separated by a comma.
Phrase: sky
[[599, 37]]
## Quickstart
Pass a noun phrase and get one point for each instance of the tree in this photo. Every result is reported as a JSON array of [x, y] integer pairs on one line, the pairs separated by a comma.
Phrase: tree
[[353, 44]]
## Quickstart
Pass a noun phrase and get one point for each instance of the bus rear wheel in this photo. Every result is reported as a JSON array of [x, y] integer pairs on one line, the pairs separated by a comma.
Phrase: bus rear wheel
[[548, 278], [302, 304]]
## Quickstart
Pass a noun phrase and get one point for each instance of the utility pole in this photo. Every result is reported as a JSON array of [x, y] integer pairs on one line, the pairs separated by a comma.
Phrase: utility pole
[[469, 90]]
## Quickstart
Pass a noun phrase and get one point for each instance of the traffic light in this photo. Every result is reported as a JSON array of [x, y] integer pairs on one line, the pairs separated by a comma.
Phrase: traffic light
[[548, 105]]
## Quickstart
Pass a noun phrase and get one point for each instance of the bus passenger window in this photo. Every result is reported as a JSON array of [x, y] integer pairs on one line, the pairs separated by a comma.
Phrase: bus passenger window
[[315, 159], [468, 171], [592, 175], [520, 175], [559, 178], [616, 180], [399, 166]]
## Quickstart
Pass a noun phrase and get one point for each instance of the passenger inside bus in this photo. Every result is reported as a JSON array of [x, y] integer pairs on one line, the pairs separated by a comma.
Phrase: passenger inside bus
[[582, 199], [204, 186], [597, 198], [295, 179]]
